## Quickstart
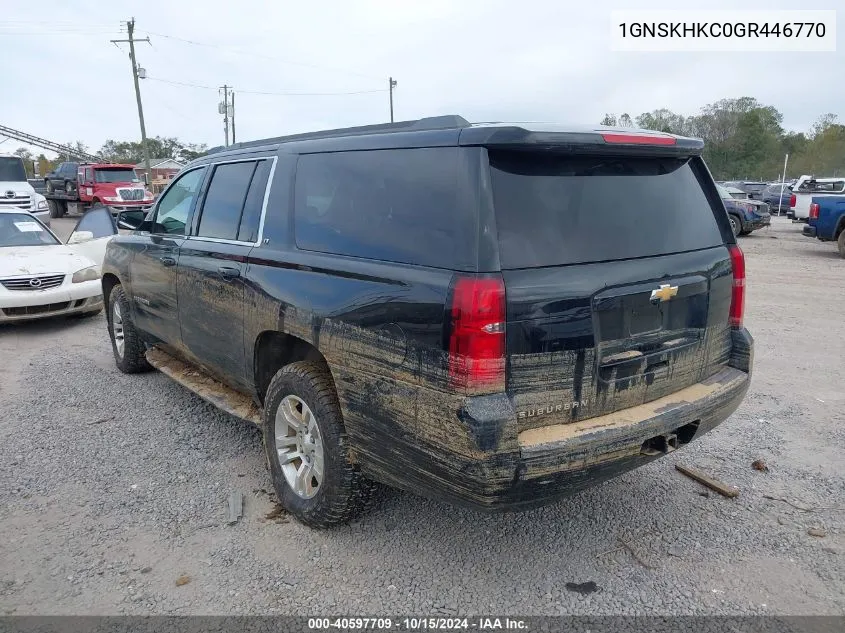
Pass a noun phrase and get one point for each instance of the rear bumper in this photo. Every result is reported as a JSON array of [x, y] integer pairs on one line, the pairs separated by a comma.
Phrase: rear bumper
[[809, 231], [562, 459], [497, 469]]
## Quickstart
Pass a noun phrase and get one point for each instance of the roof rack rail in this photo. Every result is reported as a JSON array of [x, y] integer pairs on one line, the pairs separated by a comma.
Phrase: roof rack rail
[[428, 123]]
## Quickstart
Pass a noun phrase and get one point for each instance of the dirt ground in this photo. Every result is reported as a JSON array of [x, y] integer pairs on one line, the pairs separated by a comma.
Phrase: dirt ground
[[114, 487]]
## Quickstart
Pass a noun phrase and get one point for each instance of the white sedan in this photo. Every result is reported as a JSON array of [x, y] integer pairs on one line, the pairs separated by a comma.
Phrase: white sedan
[[41, 277]]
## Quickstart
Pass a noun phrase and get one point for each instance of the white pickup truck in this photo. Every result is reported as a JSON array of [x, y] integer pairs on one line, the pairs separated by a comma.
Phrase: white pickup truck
[[807, 187], [16, 193]]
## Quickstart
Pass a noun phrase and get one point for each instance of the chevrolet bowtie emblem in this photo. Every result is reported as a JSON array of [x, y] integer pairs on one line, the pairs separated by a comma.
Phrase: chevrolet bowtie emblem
[[664, 293]]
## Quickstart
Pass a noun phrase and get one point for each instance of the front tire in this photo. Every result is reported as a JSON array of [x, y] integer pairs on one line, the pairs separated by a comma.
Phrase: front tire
[[840, 243], [48, 184], [125, 343], [69, 188], [308, 450], [736, 224]]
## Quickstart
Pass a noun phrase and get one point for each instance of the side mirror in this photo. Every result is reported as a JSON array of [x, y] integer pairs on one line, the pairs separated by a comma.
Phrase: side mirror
[[131, 220], [80, 236]]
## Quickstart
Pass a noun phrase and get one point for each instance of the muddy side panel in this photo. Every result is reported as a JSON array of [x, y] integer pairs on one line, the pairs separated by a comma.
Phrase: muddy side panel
[[380, 328], [211, 307]]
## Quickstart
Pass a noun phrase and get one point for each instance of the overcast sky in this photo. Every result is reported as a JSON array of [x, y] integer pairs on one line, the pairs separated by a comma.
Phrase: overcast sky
[[487, 60]]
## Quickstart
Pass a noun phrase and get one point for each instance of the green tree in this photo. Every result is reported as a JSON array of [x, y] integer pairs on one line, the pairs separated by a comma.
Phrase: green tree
[[192, 151], [26, 155], [662, 120], [159, 147]]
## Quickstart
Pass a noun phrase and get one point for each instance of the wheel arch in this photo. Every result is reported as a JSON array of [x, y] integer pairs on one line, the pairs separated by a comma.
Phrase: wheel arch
[[109, 281], [840, 226], [273, 350]]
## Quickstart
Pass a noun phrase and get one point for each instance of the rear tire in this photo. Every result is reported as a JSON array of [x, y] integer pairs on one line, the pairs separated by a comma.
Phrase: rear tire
[[125, 343], [55, 209], [69, 188], [840, 242], [48, 185], [324, 459]]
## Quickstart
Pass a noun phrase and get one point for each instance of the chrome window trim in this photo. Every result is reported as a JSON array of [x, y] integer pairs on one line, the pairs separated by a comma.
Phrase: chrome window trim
[[254, 159], [218, 240], [260, 236]]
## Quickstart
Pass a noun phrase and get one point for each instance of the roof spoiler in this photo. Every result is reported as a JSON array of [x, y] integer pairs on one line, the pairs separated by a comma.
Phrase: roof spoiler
[[599, 140], [451, 121]]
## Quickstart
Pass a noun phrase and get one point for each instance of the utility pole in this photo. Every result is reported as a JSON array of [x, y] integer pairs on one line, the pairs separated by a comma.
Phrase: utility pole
[[130, 27], [223, 109], [233, 117], [392, 85]]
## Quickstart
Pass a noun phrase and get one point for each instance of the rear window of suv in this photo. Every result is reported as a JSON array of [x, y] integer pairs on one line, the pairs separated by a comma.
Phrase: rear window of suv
[[553, 210]]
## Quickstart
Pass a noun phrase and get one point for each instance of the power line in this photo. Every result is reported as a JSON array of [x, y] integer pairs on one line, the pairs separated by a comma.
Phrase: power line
[[180, 83], [254, 54], [272, 94]]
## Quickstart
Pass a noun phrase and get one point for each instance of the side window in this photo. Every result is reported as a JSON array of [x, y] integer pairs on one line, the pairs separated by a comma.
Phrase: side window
[[251, 216], [99, 221], [392, 205], [175, 205], [89, 175], [224, 201]]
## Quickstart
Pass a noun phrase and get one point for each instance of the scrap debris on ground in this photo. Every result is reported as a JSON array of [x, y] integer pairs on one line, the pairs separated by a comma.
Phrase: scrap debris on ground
[[711, 482]]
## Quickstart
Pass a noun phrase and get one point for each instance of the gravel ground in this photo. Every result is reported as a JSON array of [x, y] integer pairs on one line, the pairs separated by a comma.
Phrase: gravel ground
[[112, 487]]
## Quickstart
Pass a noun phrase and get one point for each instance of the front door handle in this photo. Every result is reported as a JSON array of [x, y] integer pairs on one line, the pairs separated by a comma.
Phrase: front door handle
[[227, 272], [167, 261]]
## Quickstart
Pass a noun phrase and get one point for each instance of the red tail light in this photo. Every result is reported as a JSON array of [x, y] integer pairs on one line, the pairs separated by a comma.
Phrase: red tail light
[[814, 211], [738, 289], [792, 200], [477, 335]]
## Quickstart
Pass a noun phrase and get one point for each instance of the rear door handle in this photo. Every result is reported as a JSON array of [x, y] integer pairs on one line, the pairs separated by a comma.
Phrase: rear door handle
[[227, 272], [167, 261]]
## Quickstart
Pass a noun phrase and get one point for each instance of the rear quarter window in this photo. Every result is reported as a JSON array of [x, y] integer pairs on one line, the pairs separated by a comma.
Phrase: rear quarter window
[[554, 210], [393, 205], [814, 186]]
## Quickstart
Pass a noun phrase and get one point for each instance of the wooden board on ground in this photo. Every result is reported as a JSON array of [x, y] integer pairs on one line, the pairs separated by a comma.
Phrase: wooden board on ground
[[206, 387], [707, 480]]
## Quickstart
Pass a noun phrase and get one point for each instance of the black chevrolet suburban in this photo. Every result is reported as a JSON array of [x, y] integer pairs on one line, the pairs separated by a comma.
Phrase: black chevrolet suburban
[[496, 315]]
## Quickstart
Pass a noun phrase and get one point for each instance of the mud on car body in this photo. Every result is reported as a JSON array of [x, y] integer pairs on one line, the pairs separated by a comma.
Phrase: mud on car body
[[497, 315]]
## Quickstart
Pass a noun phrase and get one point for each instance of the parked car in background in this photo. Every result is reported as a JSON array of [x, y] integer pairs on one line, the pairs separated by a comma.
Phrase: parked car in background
[[754, 189], [62, 178], [16, 193], [778, 196], [41, 277], [809, 186], [739, 194], [744, 215], [826, 221], [458, 310]]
